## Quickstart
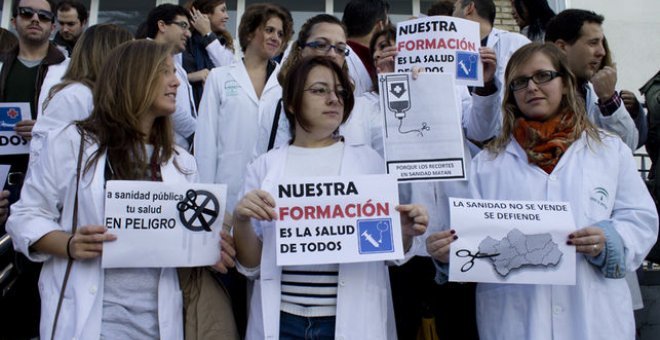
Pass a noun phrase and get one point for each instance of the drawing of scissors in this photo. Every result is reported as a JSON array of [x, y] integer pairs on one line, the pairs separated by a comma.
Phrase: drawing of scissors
[[467, 253]]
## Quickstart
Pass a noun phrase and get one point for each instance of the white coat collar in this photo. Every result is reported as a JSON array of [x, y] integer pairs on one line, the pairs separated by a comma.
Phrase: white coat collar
[[239, 72]]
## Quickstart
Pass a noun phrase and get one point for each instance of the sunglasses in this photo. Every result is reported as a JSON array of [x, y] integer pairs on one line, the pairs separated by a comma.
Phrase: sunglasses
[[27, 13]]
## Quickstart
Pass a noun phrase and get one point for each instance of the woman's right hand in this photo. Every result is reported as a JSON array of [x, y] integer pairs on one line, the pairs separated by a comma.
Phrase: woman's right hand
[[437, 244], [257, 204], [87, 242]]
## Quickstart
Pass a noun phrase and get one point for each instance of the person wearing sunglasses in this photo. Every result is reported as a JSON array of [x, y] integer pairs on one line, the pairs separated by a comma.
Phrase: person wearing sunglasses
[[549, 149], [27, 72], [170, 24]]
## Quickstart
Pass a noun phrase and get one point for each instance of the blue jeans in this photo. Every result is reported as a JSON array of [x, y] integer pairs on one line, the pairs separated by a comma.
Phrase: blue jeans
[[294, 327]]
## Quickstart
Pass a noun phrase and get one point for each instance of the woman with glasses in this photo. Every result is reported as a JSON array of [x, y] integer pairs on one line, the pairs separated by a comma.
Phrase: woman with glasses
[[321, 35], [128, 136], [549, 150], [349, 301], [233, 97]]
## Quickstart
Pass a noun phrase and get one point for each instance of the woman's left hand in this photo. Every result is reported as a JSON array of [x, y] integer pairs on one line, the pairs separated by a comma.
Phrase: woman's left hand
[[200, 22], [414, 219], [589, 240], [227, 253]]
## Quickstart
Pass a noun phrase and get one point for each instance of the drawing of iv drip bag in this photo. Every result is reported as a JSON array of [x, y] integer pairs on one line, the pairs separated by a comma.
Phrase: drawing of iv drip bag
[[398, 94]]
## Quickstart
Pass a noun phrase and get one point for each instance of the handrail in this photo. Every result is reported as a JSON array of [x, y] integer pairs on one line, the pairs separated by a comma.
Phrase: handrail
[[5, 244]]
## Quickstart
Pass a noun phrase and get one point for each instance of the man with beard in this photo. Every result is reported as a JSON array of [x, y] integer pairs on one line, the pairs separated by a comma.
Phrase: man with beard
[[72, 18], [579, 33]]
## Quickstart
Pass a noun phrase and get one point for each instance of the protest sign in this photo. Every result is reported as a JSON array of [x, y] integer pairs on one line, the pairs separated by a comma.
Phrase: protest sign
[[163, 225], [422, 131], [441, 44], [511, 242], [10, 142], [324, 220]]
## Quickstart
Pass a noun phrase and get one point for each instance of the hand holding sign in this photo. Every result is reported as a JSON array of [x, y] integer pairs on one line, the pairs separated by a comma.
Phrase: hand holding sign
[[24, 128], [257, 204], [489, 60], [87, 242], [227, 253], [438, 244], [414, 220], [589, 240]]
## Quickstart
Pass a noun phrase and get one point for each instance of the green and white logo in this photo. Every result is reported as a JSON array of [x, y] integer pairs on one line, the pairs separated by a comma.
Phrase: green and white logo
[[600, 196]]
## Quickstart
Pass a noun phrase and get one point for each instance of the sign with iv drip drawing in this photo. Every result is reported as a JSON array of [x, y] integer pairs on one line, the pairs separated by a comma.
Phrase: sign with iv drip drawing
[[423, 138], [344, 219]]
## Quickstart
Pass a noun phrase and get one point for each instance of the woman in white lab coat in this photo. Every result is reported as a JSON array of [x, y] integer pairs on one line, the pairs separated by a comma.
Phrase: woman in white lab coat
[[229, 110], [549, 151], [318, 99], [128, 136], [71, 99], [323, 35]]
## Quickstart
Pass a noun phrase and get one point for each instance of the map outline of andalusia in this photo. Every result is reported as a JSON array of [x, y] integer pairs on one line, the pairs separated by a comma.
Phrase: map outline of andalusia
[[518, 250]]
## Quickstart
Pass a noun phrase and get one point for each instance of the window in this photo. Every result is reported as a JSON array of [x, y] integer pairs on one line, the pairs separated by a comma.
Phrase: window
[[300, 10], [128, 13]]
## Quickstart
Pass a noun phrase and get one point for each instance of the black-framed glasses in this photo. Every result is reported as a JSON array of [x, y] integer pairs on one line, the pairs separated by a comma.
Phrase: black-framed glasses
[[183, 24], [325, 47], [27, 13], [540, 77], [324, 91]]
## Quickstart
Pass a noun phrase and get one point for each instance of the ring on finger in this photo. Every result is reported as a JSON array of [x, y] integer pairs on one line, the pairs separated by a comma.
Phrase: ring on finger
[[595, 247]]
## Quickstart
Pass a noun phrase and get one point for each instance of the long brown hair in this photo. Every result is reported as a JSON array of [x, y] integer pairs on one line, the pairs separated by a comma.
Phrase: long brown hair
[[570, 102], [89, 54], [131, 82]]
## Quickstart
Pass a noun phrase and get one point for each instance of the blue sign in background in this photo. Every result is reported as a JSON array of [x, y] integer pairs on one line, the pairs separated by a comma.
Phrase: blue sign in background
[[375, 236]]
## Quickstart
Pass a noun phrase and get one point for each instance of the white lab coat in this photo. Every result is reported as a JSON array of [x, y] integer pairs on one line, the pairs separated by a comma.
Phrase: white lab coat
[[364, 306], [184, 117], [71, 103], [620, 122], [46, 205], [364, 126], [596, 307], [227, 126], [219, 55]]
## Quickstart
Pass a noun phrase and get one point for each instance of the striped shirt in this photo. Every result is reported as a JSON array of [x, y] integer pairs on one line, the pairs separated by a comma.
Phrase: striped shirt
[[310, 291]]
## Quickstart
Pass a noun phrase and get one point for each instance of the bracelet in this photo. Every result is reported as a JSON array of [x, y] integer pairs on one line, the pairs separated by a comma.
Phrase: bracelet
[[68, 248]]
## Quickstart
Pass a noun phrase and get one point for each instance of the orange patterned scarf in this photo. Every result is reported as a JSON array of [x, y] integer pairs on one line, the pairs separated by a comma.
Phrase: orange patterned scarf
[[545, 142]]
